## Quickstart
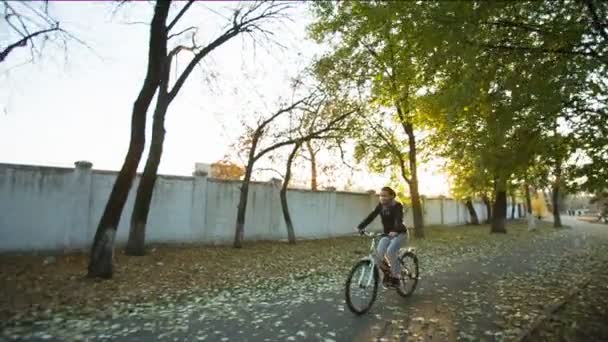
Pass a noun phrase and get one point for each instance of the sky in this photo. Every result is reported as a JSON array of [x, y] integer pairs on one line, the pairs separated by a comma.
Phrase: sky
[[76, 104]]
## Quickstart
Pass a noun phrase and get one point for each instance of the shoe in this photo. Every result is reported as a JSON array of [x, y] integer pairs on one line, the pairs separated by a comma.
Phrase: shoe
[[395, 282], [387, 282]]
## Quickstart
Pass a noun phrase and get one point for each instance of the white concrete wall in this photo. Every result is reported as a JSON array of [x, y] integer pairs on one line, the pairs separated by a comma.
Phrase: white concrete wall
[[432, 211], [48, 208]]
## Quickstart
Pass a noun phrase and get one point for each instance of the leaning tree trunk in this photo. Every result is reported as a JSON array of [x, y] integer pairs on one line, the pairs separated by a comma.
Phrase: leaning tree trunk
[[141, 209], [313, 166], [486, 202], [102, 250], [291, 235], [239, 230], [499, 217], [472, 212], [413, 184]]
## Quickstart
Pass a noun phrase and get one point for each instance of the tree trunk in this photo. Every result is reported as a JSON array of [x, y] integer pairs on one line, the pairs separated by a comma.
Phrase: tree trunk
[[100, 263], [242, 207], [141, 209], [488, 205], [313, 166], [548, 201], [499, 217], [512, 207], [557, 220], [413, 184], [531, 218], [291, 235], [528, 199], [519, 211], [472, 212]]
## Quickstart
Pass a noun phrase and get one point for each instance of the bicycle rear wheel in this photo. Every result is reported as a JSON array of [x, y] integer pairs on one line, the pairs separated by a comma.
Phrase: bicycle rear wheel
[[409, 274], [361, 287]]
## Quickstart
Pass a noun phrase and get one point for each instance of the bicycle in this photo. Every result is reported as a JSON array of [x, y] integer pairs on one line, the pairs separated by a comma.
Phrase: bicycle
[[370, 275]]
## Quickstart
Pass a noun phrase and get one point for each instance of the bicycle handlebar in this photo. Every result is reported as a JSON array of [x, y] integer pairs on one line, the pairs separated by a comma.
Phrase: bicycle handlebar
[[373, 234]]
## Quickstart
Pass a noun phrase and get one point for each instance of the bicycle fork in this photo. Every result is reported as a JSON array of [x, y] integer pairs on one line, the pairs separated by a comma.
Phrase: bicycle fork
[[372, 265]]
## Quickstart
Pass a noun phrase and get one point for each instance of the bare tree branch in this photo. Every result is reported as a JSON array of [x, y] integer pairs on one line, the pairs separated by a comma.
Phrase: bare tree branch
[[263, 169], [23, 42], [183, 31], [179, 15], [343, 158], [241, 23], [135, 23], [390, 143], [282, 111], [313, 135], [23, 24], [179, 48]]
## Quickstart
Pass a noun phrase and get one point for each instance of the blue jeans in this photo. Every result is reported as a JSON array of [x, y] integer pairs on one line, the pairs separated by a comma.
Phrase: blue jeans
[[390, 246]]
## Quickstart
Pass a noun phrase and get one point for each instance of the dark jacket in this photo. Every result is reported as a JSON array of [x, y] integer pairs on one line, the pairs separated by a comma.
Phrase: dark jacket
[[392, 218]]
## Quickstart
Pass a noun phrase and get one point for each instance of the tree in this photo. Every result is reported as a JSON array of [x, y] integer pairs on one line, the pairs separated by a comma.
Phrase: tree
[[559, 150], [378, 47], [514, 100], [575, 31], [244, 20], [225, 169], [291, 235], [312, 152], [600, 200], [312, 121], [159, 62], [468, 181], [589, 131], [100, 263], [335, 115]]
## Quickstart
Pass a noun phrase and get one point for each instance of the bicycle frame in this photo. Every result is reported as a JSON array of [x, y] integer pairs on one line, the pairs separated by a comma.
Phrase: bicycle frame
[[371, 258], [372, 253]]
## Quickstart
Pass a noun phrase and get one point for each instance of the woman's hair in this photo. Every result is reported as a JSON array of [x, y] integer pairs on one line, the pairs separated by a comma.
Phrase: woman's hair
[[389, 190]]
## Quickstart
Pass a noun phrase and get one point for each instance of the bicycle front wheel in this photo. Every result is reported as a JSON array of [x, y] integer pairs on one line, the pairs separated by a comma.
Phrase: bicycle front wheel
[[361, 287]]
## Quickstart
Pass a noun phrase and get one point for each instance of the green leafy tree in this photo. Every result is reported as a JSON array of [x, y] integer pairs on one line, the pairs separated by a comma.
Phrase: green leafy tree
[[385, 53], [500, 105]]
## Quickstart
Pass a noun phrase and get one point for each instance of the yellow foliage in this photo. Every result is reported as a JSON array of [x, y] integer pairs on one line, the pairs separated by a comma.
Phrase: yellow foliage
[[539, 206], [226, 170]]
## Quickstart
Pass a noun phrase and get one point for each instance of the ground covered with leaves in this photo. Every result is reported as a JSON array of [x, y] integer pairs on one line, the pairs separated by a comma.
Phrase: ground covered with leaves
[[582, 313], [475, 286]]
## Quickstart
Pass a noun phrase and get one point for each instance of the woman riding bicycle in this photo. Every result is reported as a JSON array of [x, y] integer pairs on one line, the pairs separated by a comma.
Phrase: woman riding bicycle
[[391, 213]]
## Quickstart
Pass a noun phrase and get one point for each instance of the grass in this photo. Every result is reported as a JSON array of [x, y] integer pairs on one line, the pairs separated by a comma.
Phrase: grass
[[30, 288]]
